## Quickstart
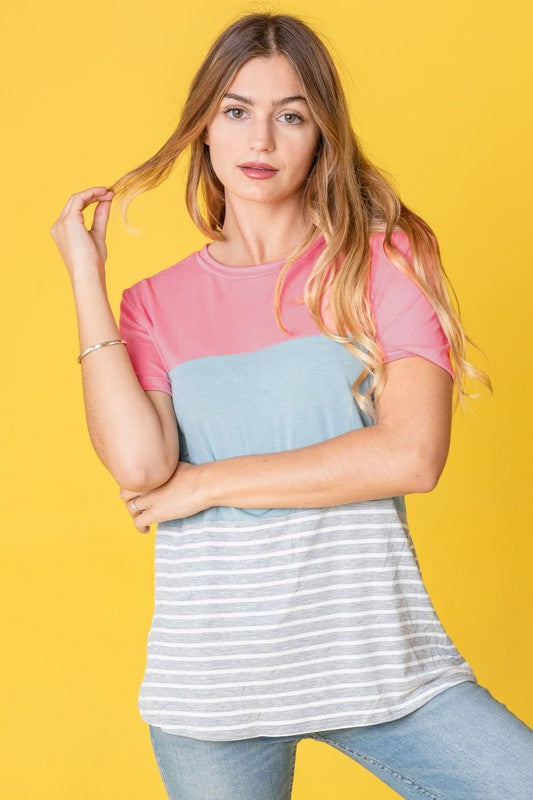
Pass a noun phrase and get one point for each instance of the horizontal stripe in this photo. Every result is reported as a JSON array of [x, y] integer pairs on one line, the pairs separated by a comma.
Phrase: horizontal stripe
[[259, 625], [285, 725], [275, 697], [213, 686]]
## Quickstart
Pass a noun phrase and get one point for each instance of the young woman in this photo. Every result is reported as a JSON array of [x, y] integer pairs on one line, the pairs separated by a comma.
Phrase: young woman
[[280, 391]]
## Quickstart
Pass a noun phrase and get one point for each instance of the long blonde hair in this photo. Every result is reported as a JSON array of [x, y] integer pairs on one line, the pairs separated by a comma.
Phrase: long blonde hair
[[344, 196]]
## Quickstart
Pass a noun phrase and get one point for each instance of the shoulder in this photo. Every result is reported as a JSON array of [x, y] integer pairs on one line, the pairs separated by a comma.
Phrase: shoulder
[[399, 238], [160, 283], [385, 275]]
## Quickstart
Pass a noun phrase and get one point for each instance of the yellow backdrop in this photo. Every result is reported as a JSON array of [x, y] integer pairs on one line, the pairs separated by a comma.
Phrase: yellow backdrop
[[438, 96]]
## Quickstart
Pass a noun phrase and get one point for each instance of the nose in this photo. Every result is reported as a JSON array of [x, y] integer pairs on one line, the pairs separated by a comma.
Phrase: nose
[[262, 135]]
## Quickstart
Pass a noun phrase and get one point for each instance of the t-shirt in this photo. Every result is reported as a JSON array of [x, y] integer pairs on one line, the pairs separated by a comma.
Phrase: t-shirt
[[280, 621]]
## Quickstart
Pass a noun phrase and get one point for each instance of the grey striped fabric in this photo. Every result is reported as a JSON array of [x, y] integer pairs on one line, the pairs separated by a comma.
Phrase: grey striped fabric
[[305, 621]]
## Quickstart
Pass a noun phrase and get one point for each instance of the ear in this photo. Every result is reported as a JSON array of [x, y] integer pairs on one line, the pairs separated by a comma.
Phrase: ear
[[206, 138]]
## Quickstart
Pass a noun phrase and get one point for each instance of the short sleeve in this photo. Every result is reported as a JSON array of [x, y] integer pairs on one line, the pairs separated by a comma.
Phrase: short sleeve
[[144, 355], [406, 322]]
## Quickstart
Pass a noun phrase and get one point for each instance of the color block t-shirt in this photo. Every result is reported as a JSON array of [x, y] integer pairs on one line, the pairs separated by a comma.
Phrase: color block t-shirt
[[280, 621]]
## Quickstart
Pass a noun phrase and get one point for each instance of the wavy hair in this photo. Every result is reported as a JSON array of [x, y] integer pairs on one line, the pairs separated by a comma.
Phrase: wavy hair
[[345, 197]]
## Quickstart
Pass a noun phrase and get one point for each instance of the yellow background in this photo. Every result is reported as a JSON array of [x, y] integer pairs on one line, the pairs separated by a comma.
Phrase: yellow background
[[438, 94]]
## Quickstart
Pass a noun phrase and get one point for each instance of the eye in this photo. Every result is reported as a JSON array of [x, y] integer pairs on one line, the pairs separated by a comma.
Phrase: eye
[[292, 114], [228, 112]]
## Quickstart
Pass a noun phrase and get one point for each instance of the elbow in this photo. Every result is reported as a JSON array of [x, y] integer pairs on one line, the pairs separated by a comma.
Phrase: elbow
[[141, 485], [132, 481], [136, 485], [143, 481], [424, 475], [140, 475]]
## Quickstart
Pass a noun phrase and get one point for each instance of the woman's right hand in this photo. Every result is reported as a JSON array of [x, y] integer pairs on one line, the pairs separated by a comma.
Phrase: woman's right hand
[[82, 249]]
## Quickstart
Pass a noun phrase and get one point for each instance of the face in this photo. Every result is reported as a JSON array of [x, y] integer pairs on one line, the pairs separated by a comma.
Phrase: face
[[263, 126]]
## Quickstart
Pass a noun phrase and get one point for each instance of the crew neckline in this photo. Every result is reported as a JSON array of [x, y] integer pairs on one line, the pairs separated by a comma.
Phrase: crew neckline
[[249, 271]]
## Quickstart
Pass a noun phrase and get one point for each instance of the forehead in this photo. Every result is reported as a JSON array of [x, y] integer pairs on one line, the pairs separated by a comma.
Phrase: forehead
[[263, 76]]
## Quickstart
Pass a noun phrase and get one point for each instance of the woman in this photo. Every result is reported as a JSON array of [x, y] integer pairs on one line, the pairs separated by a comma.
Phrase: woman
[[297, 369]]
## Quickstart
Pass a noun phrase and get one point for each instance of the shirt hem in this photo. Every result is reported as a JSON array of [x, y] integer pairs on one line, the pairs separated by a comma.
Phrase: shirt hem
[[302, 729]]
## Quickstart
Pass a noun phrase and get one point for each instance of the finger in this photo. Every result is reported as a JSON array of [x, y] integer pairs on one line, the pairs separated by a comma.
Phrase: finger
[[77, 202], [135, 509], [101, 215], [141, 522]]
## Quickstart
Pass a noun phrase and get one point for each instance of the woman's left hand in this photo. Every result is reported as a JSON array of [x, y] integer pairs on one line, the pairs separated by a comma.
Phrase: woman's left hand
[[181, 496]]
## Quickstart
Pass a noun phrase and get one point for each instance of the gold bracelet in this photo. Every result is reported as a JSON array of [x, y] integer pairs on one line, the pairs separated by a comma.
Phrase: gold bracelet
[[100, 344]]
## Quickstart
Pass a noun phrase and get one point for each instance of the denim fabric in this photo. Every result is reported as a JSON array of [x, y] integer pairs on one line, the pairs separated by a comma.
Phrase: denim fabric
[[463, 744]]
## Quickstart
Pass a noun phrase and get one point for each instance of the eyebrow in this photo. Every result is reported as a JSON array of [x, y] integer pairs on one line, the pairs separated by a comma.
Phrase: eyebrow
[[280, 102]]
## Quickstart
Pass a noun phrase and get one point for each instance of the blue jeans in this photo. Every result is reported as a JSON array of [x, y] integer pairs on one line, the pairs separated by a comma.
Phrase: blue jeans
[[462, 744]]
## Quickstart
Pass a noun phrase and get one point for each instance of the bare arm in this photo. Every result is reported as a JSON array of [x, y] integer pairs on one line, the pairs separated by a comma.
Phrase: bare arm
[[404, 452], [135, 444], [135, 438]]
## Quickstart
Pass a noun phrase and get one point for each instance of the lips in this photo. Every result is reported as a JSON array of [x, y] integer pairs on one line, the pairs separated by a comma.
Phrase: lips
[[258, 165]]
